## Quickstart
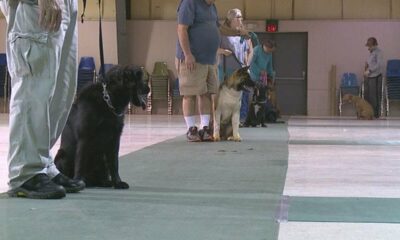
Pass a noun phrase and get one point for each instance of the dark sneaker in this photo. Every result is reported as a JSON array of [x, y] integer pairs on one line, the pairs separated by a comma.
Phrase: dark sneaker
[[193, 135], [205, 134], [39, 187], [70, 185]]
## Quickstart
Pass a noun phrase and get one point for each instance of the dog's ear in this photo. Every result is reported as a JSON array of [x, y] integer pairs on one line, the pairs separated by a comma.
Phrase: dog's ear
[[139, 74], [245, 69]]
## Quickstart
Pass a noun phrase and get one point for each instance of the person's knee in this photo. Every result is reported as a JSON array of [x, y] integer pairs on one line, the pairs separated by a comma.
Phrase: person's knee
[[189, 99]]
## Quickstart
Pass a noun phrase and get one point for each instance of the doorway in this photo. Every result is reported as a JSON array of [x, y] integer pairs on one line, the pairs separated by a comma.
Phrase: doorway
[[290, 66]]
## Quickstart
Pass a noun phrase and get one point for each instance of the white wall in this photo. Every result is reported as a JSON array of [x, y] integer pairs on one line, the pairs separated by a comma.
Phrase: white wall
[[329, 42], [341, 43], [152, 41], [87, 40], [88, 35]]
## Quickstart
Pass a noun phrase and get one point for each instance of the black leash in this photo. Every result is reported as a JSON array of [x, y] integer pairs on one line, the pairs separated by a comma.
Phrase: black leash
[[106, 96], [101, 48], [102, 70], [83, 12]]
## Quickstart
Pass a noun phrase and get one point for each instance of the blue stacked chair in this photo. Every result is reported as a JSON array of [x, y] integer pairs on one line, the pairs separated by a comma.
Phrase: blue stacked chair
[[348, 85], [107, 67], [3, 74], [5, 83], [392, 82], [86, 72]]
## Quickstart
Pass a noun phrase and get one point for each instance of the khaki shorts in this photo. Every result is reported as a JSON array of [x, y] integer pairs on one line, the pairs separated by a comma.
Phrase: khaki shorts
[[198, 82]]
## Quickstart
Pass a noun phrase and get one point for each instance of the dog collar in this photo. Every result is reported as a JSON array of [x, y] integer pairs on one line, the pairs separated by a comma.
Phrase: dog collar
[[107, 99]]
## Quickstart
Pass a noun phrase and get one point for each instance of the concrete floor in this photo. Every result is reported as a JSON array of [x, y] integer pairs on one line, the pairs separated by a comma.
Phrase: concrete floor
[[328, 157]]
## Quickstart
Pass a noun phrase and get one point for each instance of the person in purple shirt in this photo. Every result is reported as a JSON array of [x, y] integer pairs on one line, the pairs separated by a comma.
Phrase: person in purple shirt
[[196, 52]]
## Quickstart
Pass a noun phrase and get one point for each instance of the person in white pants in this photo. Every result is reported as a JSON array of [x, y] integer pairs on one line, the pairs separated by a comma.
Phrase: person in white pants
[[41, 56]]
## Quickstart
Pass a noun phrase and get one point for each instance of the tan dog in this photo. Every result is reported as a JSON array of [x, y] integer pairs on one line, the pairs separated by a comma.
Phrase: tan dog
[[227, 113], [272, 97], [363, 108]]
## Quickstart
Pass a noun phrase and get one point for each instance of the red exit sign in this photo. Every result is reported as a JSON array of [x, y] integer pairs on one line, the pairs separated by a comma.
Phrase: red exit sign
[[271, 25]]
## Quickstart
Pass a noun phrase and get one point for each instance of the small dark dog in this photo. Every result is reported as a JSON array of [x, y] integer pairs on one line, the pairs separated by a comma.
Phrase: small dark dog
[[257, 110], [90, 140]]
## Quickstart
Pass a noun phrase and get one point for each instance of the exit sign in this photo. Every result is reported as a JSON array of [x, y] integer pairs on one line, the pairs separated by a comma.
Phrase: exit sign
[[271, 25]]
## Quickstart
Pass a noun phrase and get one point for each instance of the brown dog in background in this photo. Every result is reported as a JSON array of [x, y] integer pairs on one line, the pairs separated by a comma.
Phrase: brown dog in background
[[363, 108], [272, 97]]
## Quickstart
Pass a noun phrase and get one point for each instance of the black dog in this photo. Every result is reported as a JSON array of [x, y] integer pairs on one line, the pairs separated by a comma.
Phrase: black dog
[[90, 140], [257, 110]]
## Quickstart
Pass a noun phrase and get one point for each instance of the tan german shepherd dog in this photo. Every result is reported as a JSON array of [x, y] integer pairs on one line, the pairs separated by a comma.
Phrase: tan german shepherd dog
[[229, 99], [363, 108]]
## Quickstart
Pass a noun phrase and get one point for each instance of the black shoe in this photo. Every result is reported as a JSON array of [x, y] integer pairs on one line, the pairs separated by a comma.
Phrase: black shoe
[[205, 134], [193, 135], [70, 185], [39, 187]]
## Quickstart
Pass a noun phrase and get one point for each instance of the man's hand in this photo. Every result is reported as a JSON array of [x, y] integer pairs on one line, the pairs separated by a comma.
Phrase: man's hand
[[50, 15], [226, 52], [190, 62]]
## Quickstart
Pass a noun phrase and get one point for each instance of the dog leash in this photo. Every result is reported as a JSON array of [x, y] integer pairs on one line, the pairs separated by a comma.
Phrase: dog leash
[[106, 95]]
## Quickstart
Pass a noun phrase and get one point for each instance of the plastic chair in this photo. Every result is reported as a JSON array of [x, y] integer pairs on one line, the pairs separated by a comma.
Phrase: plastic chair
[[87, 63], [86, 72], [393, 68], [160, 69], [348, 85], [175, 88], [3, 59], [3, 74], [5, 86], [392, 83], [107, 67]]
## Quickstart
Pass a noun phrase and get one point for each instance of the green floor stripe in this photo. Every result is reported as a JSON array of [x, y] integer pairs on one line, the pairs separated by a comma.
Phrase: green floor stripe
[[346, 142], [352, 210], [179, 191]]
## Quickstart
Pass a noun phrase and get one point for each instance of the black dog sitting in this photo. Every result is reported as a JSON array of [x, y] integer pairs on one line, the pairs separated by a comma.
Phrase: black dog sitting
[[256, 115], [90, 140]]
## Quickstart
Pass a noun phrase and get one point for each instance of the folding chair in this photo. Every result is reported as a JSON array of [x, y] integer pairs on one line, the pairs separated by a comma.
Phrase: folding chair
[[107, 67], [160, 88], [5, 89], [86, 72], [392, 83], [348, 85]]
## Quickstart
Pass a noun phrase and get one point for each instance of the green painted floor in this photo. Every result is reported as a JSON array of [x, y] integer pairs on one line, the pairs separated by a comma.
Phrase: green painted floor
[[179, 190], [353, 210]]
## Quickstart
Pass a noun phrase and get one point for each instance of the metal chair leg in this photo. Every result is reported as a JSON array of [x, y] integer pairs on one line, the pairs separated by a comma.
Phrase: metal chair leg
[[387, 101], [340, 102], [382, 91], [362, 90]]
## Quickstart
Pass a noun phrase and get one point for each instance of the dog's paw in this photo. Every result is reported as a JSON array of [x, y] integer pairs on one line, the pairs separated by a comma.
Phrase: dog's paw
[[121, 185], [234, 138], [216, 137]]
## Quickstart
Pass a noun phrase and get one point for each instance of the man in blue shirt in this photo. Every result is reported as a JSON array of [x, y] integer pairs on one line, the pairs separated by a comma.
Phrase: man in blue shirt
[[198, 42]]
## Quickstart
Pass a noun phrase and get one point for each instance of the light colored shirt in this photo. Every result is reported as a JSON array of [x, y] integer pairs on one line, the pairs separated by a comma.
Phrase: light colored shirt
[[375, 62]]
